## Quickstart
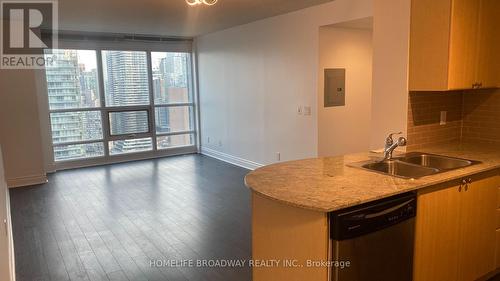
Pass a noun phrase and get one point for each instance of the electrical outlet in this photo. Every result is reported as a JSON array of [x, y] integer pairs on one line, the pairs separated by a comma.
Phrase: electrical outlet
[[208, 139], [278, 156], [443, 118]]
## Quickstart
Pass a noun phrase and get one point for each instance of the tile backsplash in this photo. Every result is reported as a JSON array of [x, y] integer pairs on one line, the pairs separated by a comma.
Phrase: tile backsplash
[[424, 111], [481, 116], [471, 116]]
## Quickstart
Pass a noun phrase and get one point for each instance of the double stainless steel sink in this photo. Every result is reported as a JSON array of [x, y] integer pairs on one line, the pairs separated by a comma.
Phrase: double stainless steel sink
[[415, 165]]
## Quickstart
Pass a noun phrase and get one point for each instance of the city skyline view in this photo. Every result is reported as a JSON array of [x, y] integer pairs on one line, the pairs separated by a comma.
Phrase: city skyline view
[[73, 83]]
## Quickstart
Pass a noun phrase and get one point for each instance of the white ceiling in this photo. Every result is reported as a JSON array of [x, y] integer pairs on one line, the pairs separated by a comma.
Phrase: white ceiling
[[168, 17]]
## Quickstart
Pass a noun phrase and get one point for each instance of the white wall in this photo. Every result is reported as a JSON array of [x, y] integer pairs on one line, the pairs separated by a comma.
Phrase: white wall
[[253, 77], [20, 134], [345, 129], [391, 33]]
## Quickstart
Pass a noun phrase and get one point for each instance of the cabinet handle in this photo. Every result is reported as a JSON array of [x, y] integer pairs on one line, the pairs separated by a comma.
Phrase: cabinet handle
[[469, 181], [465, 184], [477, 85]]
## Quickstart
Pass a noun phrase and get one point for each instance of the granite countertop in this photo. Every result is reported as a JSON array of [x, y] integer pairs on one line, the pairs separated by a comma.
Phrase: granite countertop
[[327, 184]]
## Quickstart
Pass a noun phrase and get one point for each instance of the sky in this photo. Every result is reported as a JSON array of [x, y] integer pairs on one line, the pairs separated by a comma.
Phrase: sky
[[89, 59]]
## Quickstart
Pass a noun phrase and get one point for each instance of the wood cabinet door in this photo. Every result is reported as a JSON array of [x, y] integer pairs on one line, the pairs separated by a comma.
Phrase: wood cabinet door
[[463, 44], [478, 227], [488, 62], [437, 234], [429, 45], [497, 249]]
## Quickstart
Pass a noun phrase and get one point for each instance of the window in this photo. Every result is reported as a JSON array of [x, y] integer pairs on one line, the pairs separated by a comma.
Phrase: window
[[174, 107], [72, 80], [73, 94], [165, 142], [125, 78], [170, 78], [173, 119], [76, 126], [128, 122], [105, 103], [130, 146]]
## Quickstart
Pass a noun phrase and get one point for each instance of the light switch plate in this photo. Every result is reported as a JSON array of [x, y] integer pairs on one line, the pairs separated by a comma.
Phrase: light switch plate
[[307, 110]]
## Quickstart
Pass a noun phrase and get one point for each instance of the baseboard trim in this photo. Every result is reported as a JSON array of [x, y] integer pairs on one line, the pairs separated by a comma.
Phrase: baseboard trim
[[26, 181], [244, 163]]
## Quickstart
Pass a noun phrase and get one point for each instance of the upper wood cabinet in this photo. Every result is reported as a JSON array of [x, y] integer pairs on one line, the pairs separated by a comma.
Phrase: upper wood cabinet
[[488, 67], [454, 45]]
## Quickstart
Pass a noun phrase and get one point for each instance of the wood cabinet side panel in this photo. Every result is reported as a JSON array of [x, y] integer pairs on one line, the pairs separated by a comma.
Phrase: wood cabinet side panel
[[282, 232]]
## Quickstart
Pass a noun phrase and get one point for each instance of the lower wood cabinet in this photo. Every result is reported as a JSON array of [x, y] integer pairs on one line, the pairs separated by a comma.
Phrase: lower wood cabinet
[[436, 235], [497, 257], [456, 230], [498, 249]]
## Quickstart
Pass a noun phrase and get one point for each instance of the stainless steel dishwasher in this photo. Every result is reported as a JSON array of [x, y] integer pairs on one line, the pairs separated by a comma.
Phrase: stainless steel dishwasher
[[375, 239]]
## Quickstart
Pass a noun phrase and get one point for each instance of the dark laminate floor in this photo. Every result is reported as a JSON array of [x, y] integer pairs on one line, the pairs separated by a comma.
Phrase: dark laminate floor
[[108, 222]]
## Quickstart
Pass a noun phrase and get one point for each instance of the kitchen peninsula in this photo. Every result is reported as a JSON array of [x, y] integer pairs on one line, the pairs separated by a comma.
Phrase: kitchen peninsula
[[292, 202]]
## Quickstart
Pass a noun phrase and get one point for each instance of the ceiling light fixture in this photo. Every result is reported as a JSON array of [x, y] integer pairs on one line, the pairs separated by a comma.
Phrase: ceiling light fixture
[[198, 2]]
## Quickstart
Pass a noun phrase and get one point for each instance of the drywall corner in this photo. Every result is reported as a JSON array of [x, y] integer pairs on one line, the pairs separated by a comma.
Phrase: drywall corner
[[391, 34]]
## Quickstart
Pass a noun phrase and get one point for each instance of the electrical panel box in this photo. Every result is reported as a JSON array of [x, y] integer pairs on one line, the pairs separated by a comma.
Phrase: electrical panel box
[[334, 87]]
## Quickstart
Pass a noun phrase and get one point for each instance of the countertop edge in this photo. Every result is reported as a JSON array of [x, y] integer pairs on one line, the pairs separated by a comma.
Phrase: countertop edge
[[354, 203]]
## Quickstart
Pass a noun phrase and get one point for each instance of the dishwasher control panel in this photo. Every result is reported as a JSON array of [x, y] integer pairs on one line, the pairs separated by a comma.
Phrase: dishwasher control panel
[[372, 216]]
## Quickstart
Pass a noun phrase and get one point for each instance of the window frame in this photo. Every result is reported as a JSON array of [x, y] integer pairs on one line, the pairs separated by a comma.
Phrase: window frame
[[108, 158]]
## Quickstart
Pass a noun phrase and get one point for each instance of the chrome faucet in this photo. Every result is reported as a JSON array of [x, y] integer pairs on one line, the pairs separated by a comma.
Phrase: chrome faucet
[[390, 145]]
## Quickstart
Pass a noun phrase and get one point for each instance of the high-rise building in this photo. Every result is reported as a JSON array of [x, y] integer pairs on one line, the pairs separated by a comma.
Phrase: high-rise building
[[173, 69], [70, 86], [63, 92], [72, 82], [170, 83], [126, 82], [126, 78]]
